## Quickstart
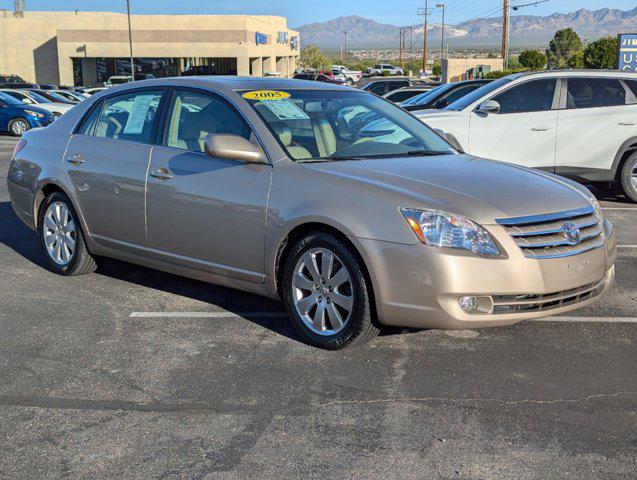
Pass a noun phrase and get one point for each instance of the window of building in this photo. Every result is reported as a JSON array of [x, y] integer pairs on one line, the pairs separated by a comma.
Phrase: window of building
[[532, 96], [194, 115], [129, 116], [595, 92]]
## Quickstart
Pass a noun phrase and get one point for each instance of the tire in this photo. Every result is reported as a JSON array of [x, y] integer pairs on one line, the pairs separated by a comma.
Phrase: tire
[[58, 224], [18, 126], [628, 177], [325, 292], [350, 82]]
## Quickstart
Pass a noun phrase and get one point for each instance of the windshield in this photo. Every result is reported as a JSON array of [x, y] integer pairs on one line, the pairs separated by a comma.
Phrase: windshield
[[37, 97], [426, 96], [477, 94], [55, 97], [315, 125], [9, 100]]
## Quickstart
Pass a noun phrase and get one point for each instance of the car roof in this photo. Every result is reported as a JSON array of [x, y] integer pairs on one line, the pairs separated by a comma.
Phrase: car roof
[[577, 73], [232, 82]]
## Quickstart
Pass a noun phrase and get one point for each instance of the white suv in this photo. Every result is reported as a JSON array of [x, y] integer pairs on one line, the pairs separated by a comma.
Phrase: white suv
[[381, 68], [579, 124]]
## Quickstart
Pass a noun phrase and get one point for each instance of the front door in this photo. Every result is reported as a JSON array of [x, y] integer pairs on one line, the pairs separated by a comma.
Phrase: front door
[[204, 212], [107, 160], [524, 131]]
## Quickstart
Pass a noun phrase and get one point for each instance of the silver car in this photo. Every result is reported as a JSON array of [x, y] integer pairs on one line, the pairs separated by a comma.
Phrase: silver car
[[336, 201]]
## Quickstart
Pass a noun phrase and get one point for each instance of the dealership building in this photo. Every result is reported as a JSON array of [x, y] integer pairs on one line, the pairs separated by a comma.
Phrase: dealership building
[[85, 48]]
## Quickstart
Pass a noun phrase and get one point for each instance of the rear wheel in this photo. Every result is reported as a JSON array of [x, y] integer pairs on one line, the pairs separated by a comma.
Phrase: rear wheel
[[18, 126], [326, 293], [629, 177], [61, 237]]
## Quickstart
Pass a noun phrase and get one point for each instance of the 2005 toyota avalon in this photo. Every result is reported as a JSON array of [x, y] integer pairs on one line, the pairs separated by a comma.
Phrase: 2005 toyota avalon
[[290, 189]]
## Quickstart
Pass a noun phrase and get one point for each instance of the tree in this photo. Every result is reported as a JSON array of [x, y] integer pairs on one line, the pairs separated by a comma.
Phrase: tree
[[532, 59], [565, 45], [602, 53], [312, 57]]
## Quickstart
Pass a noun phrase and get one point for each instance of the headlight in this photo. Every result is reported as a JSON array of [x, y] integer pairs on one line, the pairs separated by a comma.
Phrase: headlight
[[34, 114], [440, 229]]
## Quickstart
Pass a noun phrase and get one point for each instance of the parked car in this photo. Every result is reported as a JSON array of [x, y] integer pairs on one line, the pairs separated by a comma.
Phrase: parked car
[[71, 96], [33, 98], [16, 117], [382, 86], [351, 76], [442, 95], [385, 69], [576, 123], [117, 80], [242, 181], [405, 93], [319, 77]]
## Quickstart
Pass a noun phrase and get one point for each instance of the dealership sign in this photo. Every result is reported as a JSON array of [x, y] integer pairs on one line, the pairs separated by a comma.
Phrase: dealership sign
[[627, 52]]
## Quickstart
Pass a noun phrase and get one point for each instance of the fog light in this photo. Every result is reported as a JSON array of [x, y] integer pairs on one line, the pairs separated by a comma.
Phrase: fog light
[[469, 304]]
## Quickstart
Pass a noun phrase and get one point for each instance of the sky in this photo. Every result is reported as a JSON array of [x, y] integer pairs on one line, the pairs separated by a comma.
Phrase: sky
[[300, 12]]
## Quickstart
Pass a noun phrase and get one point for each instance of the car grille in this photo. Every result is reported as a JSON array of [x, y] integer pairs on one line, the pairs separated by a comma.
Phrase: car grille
[[536, 303], [547, 236]]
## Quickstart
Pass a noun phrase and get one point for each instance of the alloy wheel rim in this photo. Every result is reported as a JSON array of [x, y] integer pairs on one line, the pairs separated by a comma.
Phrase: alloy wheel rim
[[60, 234], [19, 127], [633, 178], [322, 291]]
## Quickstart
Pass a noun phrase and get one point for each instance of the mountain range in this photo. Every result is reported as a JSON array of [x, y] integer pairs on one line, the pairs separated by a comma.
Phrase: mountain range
[[525, 30]]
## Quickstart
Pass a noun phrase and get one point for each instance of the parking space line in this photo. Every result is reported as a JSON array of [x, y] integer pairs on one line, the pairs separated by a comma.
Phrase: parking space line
[[208, 315], [626, 246], [587, 319], [284, 315], [620, 208]]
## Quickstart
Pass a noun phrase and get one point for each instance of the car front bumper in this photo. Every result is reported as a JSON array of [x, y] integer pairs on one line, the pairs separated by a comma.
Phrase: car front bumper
[[419, 286]]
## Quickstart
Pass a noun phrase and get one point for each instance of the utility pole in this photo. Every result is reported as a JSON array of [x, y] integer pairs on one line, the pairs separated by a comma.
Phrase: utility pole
[[442, 33], [400, 46], [345, 42], [505, 29], [424, 12], [130, 43]]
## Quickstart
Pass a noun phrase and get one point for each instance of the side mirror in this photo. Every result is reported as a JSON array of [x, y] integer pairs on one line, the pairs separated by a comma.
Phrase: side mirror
[[27, 101], [441, 133], [233, 147], [488, 106]]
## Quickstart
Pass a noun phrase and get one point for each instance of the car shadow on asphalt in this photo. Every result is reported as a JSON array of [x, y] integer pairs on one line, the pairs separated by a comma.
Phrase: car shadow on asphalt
[[19, 238]]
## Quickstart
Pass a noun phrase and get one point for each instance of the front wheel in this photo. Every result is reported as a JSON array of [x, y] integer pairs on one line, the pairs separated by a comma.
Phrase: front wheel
[[327, 294], [18, 126], [629, 177]]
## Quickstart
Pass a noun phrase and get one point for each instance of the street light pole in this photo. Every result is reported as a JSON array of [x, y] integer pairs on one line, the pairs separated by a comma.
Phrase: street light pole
[[442, 33], [130, 43]]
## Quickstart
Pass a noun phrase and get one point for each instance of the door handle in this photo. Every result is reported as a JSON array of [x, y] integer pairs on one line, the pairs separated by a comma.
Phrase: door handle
[[627, 124], [161, 174], [541, 129], [76, 159]]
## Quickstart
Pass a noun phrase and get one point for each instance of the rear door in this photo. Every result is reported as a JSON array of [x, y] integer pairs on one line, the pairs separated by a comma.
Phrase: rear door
[[107, 160], [524, 131], [598, 116], [203, 212]]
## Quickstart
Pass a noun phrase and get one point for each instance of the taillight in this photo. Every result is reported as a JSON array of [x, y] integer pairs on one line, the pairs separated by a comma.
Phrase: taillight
[[19, 146]]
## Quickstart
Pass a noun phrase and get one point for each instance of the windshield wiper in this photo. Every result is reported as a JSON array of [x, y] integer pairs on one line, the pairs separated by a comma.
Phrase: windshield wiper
[[426, 153]]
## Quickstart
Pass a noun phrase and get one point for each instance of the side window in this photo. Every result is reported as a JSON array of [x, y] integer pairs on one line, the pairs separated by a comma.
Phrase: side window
[[129, 116], [595, 92], [88, 123], [378, 88], [458, 94], [194, 115], [533, 96]]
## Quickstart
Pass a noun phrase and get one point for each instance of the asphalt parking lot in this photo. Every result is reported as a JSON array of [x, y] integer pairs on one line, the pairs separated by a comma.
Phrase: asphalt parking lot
[[134, 373]]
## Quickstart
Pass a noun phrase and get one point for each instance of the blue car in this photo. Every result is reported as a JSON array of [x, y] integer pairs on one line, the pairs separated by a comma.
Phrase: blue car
[[17, 117]]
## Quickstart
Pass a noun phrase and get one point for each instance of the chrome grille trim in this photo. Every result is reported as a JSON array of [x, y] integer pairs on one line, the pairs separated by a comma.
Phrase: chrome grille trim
[[503, 304], [539, 236]]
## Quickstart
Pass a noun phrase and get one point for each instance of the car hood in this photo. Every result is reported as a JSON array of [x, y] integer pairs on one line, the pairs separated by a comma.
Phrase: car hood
[[483, 190], [33, 108]]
